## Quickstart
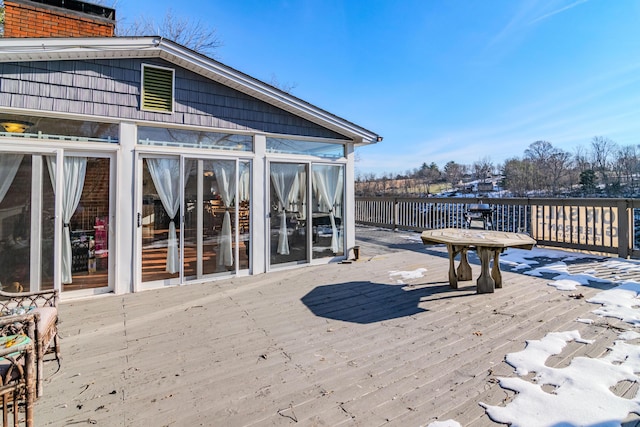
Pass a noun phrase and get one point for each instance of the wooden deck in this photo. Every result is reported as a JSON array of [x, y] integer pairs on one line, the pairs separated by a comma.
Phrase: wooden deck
[[338, 344]]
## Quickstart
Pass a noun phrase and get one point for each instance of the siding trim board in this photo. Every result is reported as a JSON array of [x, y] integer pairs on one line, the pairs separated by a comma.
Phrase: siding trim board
[[115, 92], [48, 49]]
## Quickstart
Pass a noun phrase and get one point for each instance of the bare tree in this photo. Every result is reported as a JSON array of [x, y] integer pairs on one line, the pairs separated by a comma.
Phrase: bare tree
[[453, 173], [559, 165], [539, 153], [193, 34], [626, 165], [581, 159], [601, 151], [483, 168], [287, 87]]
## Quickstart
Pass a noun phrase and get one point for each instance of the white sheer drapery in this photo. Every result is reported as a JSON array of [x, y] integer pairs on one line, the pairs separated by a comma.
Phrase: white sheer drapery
[[328, 183], [225, 172], [297, 195], [9, 164], [165, 174], [244, 184], [74, 171], [283, 177]]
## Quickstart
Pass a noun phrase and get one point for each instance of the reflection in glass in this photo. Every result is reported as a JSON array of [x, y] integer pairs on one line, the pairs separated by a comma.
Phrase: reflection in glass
[[288, 217], [160, 213], [195, 139], [32, 127], [244, 217], [310, 148], [327, 203], [190, 225], [15, 219], [48, 229], [88, 225]]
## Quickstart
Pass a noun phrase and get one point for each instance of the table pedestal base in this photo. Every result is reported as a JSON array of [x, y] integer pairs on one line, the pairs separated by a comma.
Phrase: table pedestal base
[[488, 282], [464, 269]]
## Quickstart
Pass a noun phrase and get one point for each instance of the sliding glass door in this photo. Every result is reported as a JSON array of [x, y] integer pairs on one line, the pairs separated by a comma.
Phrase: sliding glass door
[[54, 221], [305, 217], [288, 228], [193, 218], [327, 210], [16, 175]]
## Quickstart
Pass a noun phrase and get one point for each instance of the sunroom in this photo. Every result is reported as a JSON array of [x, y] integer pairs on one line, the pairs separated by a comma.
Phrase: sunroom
[[135, 163]]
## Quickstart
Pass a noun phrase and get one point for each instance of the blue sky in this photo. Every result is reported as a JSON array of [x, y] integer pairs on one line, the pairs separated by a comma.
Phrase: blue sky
[[441, 80]]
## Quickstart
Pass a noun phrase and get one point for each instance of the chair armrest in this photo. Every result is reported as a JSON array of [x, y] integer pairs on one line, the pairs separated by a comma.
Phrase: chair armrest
[[19, 348], [47, 298], [19, 324]]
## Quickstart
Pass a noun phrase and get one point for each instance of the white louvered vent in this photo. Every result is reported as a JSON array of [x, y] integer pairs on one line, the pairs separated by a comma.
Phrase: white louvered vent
[[157, 89]]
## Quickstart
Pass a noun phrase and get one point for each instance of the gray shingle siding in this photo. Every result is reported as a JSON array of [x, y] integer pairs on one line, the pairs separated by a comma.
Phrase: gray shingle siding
[[111, 88]]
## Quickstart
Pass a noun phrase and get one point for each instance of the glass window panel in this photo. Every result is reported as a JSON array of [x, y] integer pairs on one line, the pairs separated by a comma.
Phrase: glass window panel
[[58, 129], [196, 139], [288, 216], [220, 205], [327, 206], [89, 228], [157, 263], [15, 217], [190, 225], [48, 229], [310, 148], [244, 215]]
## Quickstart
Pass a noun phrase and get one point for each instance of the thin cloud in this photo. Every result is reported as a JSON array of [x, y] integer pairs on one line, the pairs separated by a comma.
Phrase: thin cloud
[[555, 12], [524, 20]]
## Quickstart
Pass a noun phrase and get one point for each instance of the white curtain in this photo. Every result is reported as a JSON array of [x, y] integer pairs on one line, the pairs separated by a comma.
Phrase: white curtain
[[297, 195], [165, 174], [283, 177], [225, 172], [328, 182], [244, 183], [9, 164], [74, 171]]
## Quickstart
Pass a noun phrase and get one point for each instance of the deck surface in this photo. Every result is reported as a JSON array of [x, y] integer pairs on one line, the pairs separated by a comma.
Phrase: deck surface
[[338, 344]]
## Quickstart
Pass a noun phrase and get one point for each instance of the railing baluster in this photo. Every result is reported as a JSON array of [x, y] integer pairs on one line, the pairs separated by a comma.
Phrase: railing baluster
[[601, 225]]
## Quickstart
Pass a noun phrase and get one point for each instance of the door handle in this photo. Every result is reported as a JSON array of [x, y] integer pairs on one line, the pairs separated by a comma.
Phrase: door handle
[[139, 220]]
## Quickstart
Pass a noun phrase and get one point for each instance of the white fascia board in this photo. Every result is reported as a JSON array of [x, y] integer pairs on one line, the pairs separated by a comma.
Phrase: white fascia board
[[260, 90], [41, 49]]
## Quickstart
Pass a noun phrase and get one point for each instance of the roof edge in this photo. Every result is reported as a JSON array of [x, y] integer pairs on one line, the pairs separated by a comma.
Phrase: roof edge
[[41, 49]]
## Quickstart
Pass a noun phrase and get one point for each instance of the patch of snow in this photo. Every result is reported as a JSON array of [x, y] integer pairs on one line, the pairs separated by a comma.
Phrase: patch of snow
[[629, 335], [415, 237], [621, 302], [582, 391], [565, 284], [447, 423], [408, 275]]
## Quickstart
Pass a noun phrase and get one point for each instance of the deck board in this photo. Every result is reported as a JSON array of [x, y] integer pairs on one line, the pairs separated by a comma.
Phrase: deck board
[[336, 344]]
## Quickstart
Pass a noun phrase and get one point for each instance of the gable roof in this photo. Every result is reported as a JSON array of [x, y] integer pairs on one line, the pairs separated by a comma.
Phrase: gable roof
[[47, 49]]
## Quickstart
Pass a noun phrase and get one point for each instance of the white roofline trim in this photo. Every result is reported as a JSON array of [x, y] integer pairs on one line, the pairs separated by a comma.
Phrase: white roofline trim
[[40, 49]]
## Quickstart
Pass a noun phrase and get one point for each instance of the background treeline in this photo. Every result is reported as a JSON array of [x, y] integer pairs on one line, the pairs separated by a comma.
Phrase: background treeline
[[602, 169]]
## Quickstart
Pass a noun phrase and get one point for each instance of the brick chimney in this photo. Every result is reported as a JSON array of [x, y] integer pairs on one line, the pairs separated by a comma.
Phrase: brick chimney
[[57, 18]]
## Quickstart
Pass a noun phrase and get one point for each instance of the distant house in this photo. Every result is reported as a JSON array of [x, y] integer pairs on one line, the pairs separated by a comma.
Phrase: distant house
[[136, 163]]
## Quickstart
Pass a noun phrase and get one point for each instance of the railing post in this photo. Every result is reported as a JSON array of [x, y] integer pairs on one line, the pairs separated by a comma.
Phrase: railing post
[[395, 214], [624, 250]]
